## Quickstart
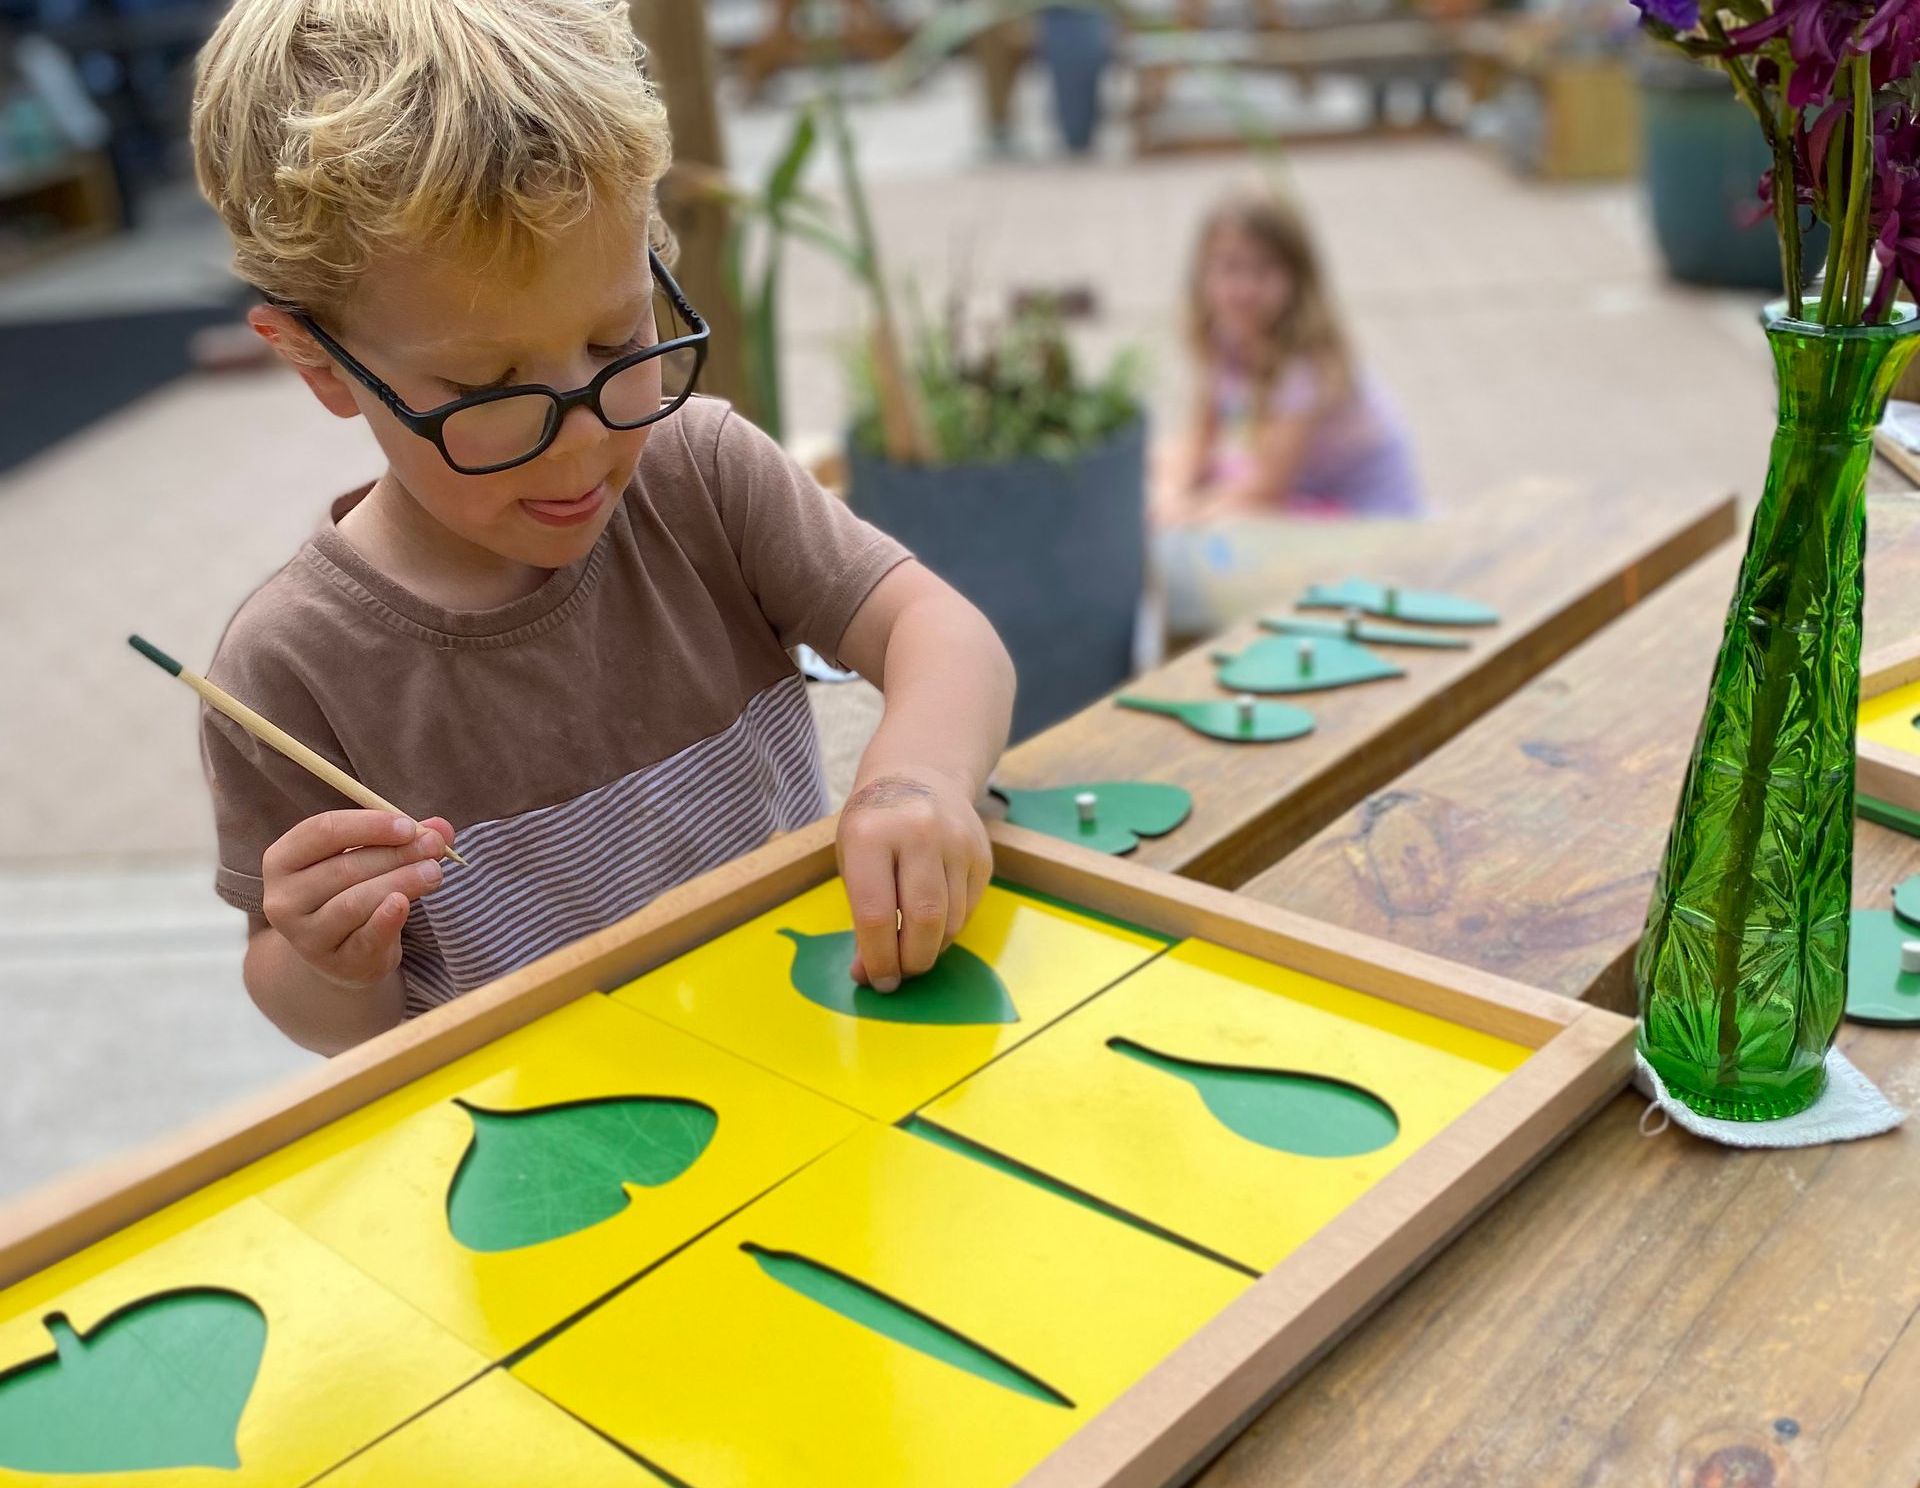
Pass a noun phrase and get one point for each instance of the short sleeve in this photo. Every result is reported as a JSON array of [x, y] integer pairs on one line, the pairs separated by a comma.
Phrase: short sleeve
[[809, 561]]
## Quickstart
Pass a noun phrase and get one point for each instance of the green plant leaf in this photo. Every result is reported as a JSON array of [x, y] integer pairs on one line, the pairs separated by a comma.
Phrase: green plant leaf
[[1417, 606], [161, 1383], [1878, 991], [1279, 664], [535, 1175], [1267, 723], [859, 1303], [1124, 811], [960, 988], [1307, 1115]]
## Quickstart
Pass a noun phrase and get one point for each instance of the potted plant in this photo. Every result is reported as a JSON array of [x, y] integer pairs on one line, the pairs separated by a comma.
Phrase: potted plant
[[1028, 496], [1742, 971]]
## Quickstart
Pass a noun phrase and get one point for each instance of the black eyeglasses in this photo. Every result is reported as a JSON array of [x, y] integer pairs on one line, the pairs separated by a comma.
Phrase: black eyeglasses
[[500, 428]]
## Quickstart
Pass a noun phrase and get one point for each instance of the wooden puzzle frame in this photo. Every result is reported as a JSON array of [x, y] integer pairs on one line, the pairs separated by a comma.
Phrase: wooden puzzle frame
[[1884, 776], [1186, 1408]]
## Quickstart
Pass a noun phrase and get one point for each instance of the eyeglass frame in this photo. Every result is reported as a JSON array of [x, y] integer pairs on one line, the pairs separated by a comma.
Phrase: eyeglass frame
[[431, 423]]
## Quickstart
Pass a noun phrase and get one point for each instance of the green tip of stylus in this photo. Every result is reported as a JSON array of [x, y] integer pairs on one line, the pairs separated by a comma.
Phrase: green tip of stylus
[[155, 655]]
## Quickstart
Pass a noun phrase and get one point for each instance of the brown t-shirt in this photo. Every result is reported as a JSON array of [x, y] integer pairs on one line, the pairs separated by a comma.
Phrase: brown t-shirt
[[634, 721]]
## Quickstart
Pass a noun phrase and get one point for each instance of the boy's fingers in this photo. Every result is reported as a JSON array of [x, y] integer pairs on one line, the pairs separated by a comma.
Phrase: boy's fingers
[[959, 902], [923, 910], [441, 825], [870, 893], [305, 891], [331, 926], [373, 949], [334, 832]]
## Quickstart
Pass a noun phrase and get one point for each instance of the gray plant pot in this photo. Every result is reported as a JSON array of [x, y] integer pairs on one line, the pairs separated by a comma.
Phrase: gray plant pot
[[1053, 553]]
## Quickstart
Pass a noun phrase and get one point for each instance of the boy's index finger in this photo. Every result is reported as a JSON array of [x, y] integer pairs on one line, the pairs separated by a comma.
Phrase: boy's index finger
[[333, 832]]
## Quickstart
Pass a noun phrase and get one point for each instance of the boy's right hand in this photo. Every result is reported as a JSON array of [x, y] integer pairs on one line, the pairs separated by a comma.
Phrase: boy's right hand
[[339, 887]]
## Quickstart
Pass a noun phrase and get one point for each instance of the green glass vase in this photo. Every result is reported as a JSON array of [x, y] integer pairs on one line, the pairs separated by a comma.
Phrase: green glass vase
[[1742, 972]]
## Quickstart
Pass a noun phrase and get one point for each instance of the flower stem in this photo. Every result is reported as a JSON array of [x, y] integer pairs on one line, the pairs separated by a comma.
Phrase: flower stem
[[1830, 281], [1786, 214], [1860, 189]]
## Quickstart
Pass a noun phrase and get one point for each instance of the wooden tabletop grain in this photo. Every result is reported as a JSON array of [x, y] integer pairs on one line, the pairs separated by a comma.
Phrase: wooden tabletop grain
[[1556, 562], [1642, 1310]]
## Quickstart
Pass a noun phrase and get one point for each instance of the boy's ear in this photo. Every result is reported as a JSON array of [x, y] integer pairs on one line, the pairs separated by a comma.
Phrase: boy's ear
[[306, 356]]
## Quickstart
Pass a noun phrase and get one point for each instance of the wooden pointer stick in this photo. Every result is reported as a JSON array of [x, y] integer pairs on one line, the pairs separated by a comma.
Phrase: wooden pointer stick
[[274, 737]]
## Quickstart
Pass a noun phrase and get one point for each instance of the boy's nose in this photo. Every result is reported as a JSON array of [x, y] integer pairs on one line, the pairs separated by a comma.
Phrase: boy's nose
[[580, 429]]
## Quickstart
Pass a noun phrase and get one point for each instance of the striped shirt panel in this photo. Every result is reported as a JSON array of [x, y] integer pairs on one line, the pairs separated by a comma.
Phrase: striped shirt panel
[[544, 878]]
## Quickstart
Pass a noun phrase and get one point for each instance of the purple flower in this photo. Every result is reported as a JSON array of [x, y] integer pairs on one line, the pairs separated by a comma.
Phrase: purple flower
[[1682, 15], [1822, 35]]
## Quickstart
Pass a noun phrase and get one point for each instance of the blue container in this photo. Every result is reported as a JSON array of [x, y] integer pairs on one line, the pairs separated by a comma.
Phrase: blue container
[[1076, 44], [1053, 553], [1703, 158]]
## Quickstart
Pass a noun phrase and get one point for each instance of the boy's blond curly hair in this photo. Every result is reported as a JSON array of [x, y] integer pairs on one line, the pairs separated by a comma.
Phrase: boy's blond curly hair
[[326, 132]]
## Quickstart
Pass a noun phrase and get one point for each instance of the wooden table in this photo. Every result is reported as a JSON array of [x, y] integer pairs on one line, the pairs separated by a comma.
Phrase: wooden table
[[1643, 1310], [1557, 563]]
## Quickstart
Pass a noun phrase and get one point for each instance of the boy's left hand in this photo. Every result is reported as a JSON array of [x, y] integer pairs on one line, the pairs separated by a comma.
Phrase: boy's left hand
[[915, 858]]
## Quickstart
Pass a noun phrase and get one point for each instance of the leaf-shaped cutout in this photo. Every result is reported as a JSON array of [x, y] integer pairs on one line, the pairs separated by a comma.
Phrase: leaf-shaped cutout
[[162, 1383], [1367, 632], [1262, 723], [1420, 606], [958, 988], [1124, 811], [1277, 664], [532, 1176], [1878, 991], [859, 1303], [1906, 902], [1307, 1115]]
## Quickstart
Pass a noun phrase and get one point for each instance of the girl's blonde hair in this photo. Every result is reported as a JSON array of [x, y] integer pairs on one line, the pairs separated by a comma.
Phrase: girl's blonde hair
[[327, 132], [1308, 327]]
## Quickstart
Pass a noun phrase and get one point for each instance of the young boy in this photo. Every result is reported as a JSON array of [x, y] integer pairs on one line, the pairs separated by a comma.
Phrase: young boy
[[561, 617]]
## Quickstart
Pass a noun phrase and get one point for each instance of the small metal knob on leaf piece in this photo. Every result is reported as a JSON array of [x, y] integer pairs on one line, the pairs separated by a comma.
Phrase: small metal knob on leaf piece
[[1353, 622], [1085, 803], [1243, 709], [1305, 651], [1391, 601], [1910, 955]]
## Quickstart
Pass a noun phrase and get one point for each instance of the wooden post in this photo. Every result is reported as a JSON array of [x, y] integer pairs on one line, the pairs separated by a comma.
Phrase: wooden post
[[680, 61]]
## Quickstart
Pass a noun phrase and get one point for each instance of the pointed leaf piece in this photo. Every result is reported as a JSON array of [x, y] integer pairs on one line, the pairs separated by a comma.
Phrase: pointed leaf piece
[[1906, 902], [960, 988], [1367, 633], [1416, 606], [859, 1303], [1274, 664], [535, 1175], [1124, 812], [1217, 719], [1878, 991], [1308, 1115], [161, 1383]]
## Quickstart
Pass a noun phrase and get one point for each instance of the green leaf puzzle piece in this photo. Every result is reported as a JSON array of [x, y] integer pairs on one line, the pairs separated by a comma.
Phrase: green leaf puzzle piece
[[535, 1175], [1307, 1115], [1267, 723], [1906, 902], [1365, 632], [1878, 991], [1417, 606], [1124, 811], [960, 988], [162, 1383], [874, 1310], [1278, 664]]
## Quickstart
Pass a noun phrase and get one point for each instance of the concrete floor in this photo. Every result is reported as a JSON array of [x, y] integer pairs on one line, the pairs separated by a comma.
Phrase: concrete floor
[[1525, 329]]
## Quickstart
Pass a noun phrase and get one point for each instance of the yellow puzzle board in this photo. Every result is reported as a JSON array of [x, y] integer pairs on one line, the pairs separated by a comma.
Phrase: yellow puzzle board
[[1887, 718], [344, 1363], [496, 1433], [737, 992], [379, 1197], [1143, 1141], [724, 1377]]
